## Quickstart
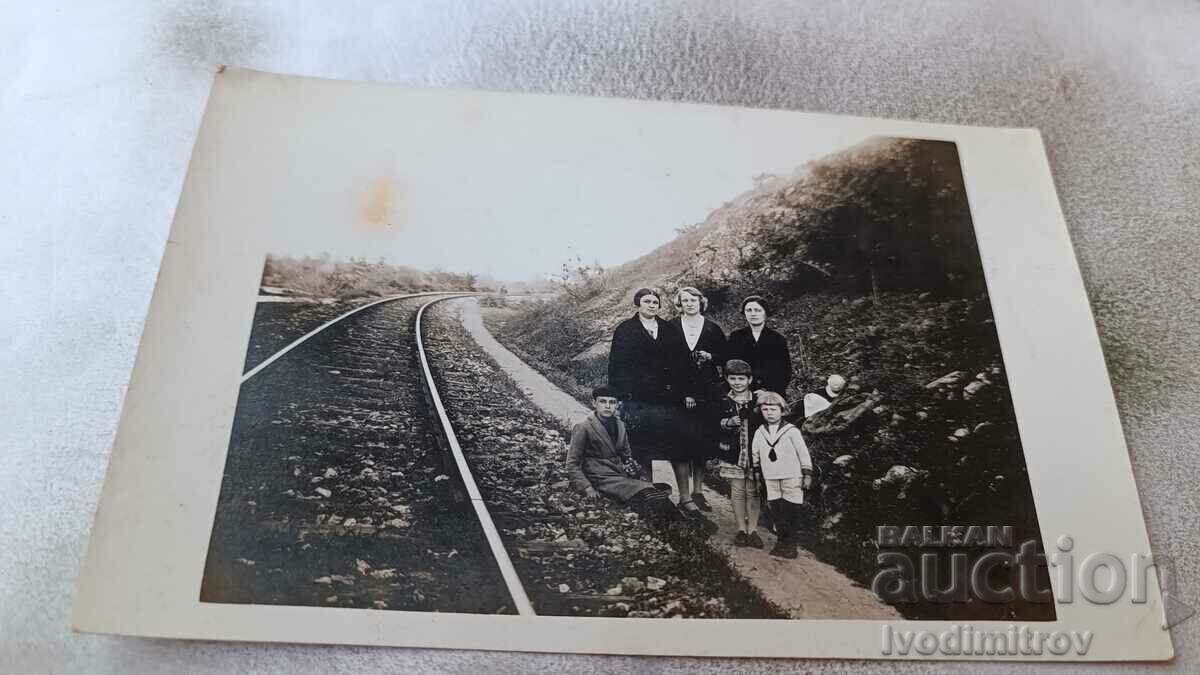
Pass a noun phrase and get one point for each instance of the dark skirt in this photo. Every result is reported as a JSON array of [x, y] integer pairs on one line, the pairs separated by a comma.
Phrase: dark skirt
[[667, 432], [696, 442]]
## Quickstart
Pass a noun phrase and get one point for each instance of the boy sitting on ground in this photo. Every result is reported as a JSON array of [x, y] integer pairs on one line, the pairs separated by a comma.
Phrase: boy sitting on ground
[[600, 462]]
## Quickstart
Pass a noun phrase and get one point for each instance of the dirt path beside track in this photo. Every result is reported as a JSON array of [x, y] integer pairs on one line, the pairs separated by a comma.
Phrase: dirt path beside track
[[806, 588]]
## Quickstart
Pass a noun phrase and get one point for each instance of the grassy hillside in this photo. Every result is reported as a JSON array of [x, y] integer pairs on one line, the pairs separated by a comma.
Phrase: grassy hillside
[[870, 257], [322, 277]]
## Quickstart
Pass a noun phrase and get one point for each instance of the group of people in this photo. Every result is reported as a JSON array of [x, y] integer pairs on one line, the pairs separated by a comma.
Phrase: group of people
[[685, 392]]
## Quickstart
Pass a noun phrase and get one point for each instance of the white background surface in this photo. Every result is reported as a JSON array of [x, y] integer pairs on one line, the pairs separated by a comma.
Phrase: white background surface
[[100, 105]]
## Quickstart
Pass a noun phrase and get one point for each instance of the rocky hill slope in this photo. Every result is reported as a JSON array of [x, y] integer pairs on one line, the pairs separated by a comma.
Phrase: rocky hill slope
[[870, 258]]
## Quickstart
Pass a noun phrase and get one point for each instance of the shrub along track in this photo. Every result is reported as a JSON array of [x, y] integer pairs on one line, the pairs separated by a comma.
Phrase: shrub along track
[[336, 492], [574, 556]]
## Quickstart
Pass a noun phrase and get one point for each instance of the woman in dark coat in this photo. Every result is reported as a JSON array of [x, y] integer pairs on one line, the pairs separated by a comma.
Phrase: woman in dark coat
[[767, 353], [763, 348], [702, 345], [645, 368]]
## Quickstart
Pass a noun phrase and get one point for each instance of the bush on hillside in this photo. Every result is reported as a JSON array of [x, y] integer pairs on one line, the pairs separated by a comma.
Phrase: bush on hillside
[[326, 278], [581, 282], [493, 301], [557, 331], [890, 214]]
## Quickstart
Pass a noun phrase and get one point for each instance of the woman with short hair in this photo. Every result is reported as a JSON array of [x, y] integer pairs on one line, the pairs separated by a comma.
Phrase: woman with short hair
[[762, 347], [643, 367], [768, 355], [701, 343], [646, 368]]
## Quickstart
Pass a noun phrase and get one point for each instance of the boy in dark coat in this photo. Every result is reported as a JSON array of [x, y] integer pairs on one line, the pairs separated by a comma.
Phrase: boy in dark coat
[[599, 462]]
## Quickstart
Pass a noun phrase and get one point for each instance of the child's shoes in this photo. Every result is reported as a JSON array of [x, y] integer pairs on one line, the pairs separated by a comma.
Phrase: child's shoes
[[785, 549], [779, 550]]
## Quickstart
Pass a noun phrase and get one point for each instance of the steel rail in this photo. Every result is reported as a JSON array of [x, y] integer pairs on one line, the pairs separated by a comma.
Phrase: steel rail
[[507, 571], [274, 357], [519, 596]]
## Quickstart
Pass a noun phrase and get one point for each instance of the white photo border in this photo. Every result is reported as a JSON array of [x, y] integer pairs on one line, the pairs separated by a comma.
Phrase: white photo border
[[147, 551]]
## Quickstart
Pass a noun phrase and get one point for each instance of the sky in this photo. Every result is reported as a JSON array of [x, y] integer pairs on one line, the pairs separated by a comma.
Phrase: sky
[[512, 186]]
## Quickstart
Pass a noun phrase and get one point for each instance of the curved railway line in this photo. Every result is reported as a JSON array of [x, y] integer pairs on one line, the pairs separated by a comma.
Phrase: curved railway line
[[520, 598], [346, 442], [349, 482]]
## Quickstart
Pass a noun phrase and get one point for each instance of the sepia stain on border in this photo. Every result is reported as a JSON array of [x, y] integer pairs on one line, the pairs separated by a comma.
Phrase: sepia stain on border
[[379, 210]]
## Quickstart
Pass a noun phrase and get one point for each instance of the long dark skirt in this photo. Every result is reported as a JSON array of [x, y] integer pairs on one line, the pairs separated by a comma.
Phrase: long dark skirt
[[665, 431], [695, 439], [651, 432]]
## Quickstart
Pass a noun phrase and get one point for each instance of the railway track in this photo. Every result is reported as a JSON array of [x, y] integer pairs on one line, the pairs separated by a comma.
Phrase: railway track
[[576, 556], [515, 589], [337, 490], [382, 461]]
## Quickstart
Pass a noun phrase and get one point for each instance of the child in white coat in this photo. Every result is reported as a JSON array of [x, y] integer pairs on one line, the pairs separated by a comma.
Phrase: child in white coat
[[779, 451]]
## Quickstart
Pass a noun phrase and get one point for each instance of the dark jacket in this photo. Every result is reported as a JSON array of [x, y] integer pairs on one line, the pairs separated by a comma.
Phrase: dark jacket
[[594, 460], [722, 409], [769, 357], [701, 382], [644, 369]]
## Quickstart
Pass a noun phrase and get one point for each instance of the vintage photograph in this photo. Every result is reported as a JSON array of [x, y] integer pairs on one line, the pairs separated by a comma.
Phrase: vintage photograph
[[482, 370], [743, 422]]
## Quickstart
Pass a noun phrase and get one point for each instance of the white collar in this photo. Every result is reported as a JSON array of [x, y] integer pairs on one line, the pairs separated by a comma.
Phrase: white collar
[[781, 427]]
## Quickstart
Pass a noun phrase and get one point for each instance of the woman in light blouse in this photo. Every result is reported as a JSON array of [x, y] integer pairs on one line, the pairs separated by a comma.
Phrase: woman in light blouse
[[701, 343]]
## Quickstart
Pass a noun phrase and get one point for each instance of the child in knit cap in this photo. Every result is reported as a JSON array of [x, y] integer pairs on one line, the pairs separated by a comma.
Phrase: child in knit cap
[[736, 421]]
